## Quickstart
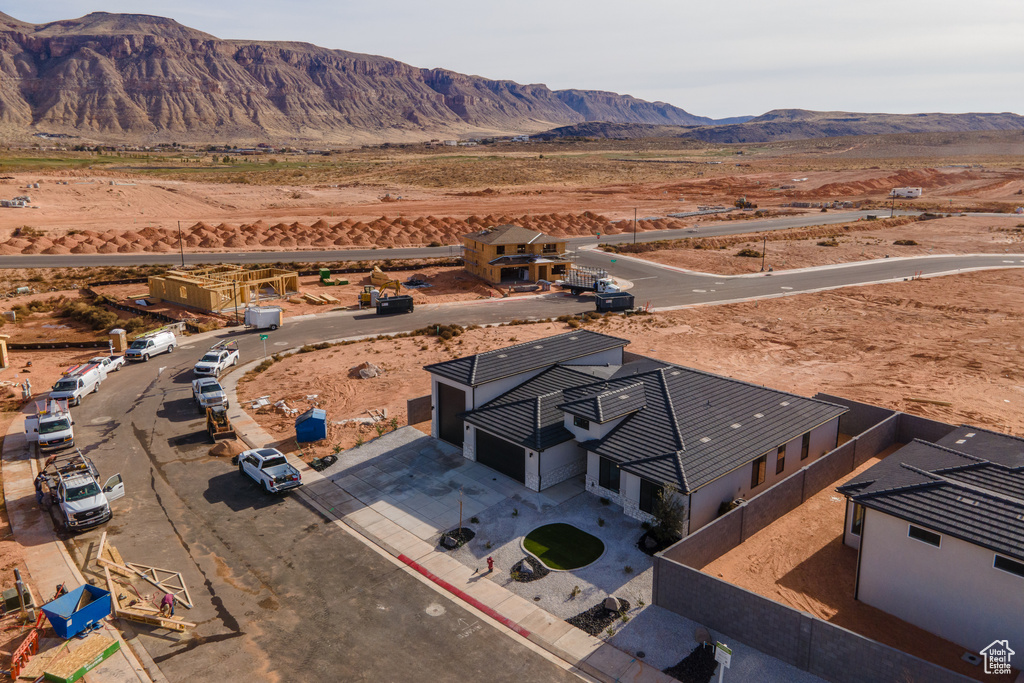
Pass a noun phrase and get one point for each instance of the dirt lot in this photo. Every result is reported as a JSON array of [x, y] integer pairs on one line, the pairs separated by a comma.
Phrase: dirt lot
[[953, 339], [864, 240], [800, 561]]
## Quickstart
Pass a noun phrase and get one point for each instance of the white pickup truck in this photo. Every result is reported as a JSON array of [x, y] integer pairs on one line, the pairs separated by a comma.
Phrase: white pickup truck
[[270, 469], [108, 364], [208, 393], [217, 360]]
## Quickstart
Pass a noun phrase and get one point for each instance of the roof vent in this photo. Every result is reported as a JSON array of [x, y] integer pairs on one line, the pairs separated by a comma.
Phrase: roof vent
[[784, 403], [502, 355], [970, 434], [961, 440], [539, 346], [674, 373], [573, 338], [735, 425], [704, 439], [967, 501], [758, 415], [623, 396]]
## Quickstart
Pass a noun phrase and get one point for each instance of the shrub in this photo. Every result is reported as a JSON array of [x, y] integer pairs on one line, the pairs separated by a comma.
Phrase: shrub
[[474, 520], [749, 253], [600, 521], [668, 515], [605, 501], [830, 242], [628, 569], [905, 243], [573, 323], [135, 324]]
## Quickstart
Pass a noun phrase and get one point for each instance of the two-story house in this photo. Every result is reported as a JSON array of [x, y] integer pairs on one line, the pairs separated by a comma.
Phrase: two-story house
[[511, 253]]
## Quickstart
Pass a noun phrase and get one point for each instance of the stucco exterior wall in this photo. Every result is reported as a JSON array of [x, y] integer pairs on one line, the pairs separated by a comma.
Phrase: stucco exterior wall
[[561, 462], [952, 591]]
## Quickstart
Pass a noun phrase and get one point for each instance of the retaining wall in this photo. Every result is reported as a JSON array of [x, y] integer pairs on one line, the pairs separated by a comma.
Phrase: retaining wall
[[418, 409], [795, 637]]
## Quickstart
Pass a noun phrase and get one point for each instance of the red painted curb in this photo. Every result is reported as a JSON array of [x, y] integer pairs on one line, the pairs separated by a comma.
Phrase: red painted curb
[[463, 595]]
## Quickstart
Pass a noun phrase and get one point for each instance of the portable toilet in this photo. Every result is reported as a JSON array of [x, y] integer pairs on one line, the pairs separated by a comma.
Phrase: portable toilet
[[73, 612], [311, 426]]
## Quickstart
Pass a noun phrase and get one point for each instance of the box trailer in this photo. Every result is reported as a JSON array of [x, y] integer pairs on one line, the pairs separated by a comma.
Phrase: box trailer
[[906, 192], [614, 301], [394, 304], [263, 317]]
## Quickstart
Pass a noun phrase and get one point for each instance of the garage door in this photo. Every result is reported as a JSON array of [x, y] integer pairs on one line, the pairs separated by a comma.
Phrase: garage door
[[450, 402], [501, 455]]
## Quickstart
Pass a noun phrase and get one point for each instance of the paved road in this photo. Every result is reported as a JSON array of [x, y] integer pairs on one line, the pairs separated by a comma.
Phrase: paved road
[[714, 229], [280, 594]]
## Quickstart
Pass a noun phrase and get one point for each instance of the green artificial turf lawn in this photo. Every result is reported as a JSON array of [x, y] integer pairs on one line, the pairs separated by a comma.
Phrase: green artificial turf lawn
[[563, 546]]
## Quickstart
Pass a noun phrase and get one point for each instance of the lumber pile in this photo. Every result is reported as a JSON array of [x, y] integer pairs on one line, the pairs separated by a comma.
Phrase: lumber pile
[[319, 300], [167, 580], [72, 664]]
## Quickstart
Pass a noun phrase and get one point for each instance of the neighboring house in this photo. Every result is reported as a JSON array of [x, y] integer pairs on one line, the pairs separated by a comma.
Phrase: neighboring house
[[940, 535], [510, 253], [546, 411]]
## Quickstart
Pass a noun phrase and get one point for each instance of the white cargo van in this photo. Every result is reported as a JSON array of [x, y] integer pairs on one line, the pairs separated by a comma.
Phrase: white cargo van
[[149, 345], [71, 388]]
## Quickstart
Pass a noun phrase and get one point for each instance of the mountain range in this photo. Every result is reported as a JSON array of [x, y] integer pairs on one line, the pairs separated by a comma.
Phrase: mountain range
[[138, 77], [142, 79]]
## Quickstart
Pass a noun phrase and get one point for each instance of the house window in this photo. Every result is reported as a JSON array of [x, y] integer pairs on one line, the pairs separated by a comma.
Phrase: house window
[[780, 460], [805, 446], [757, 473], [858, 519], [520, 248], [550, 248], [648, 496], [1008, 565], [499, 250], [580, 422], [608, 476], [925, 536]]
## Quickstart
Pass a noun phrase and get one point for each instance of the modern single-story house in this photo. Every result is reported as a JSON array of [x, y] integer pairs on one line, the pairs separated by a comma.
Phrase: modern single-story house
[[511, 253], [939, 529], [578, 404]]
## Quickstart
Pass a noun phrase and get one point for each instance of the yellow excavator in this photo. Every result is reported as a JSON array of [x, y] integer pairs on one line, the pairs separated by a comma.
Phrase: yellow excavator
[[370, 294]]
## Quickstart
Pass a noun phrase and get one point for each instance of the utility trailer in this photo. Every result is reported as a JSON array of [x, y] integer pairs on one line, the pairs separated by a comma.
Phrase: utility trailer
[[263, 317]]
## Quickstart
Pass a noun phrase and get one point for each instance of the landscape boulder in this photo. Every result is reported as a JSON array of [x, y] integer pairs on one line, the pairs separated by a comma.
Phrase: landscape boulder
[[612, 604]]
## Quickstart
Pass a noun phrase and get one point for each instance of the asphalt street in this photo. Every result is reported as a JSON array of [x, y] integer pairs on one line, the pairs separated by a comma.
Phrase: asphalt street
[[279, 593]]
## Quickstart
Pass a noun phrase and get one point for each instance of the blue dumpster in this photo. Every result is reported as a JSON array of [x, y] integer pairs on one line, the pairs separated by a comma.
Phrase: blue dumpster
[[73, 612], [311, 426]]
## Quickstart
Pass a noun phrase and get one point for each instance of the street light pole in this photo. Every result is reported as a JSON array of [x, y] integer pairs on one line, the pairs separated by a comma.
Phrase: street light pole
[[181, 245], [764, 248]]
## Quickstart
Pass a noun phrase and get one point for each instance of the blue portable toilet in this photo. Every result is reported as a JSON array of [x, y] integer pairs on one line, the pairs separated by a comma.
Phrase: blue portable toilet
[[73, 612], [311, 426]]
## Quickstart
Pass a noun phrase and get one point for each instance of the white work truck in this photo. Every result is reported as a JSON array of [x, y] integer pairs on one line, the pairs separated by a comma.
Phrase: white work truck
[[81, 380], [208, 393], [108, 364], [51, 427], [270, 469], [218, 359], [72, 482]]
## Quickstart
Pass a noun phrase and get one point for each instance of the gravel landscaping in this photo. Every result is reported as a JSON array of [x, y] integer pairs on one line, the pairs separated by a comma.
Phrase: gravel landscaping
[[605, 577]]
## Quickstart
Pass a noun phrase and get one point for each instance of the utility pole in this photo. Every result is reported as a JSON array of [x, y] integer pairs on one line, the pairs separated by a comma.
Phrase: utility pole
[[764, 248], [892, 208], [634, 226], [181, 245]]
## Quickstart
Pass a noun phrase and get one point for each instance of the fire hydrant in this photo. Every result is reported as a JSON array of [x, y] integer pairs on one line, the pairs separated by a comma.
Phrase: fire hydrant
[[490, 565]]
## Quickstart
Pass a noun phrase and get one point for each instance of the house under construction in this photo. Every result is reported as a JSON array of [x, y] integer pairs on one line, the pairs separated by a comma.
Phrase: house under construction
[[223, 287]]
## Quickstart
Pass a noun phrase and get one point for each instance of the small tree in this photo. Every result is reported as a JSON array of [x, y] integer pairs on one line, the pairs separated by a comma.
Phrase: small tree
[[668, 516]]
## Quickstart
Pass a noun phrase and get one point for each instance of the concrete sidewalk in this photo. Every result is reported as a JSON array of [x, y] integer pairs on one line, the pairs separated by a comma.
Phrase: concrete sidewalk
[[48, 561]]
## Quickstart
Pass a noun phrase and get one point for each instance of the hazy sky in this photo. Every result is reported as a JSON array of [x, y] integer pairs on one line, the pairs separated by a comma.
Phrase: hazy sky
[[715, 58]]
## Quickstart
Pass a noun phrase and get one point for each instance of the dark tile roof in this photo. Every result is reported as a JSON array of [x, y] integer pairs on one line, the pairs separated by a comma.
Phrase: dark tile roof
[[529, 415], [512, 234], [492, 365], [606, 405], [697, 426], [962, 495], [993, 446]]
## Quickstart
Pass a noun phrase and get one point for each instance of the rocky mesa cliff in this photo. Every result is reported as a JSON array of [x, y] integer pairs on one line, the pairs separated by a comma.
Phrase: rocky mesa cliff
[[130, 77]]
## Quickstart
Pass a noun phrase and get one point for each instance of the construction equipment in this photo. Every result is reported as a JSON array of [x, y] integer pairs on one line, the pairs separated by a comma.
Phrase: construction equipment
[[370, 294], [218, 424], [742, 203], [325, 279]]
